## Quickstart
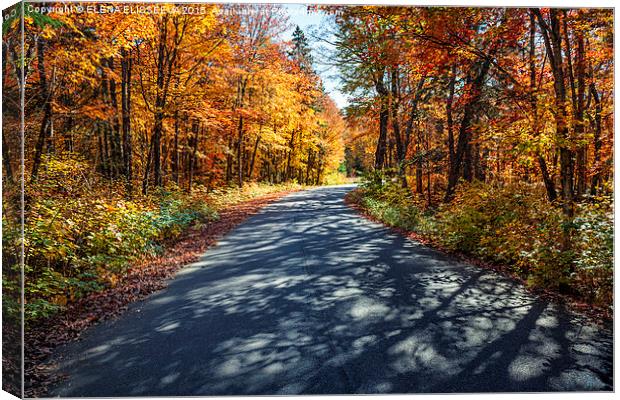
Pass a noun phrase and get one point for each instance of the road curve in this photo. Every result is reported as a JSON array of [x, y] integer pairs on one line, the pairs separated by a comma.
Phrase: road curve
[[307, 297]]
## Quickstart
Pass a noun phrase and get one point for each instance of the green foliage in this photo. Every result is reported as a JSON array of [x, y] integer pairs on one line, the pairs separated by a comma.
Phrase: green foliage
[[594, 249], [11, 251], [392, 205], [512, 225], [40, 308], [376, 181], [40, 19], [177, 212], [392, 215]]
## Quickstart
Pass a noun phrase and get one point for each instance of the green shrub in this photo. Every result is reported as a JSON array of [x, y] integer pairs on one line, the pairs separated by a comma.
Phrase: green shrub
[[390, 203], [512, 225], [11, 273], [594, 250]]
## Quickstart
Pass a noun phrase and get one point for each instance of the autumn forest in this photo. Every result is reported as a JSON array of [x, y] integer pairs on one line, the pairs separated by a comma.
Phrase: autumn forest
[[486, 132]]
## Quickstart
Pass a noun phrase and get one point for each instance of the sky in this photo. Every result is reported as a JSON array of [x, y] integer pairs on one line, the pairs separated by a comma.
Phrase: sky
[[315, 22]]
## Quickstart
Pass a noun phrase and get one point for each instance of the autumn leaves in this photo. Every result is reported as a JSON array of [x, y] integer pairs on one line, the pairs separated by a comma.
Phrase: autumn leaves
[[177, 99], [486, 94]]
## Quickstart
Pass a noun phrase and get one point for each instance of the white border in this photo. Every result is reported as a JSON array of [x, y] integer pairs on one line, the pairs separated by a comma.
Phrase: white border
[[481, 3]]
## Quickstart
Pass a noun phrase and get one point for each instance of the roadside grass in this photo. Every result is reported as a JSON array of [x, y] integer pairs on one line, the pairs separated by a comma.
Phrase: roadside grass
[[337, 178], [223, 198]]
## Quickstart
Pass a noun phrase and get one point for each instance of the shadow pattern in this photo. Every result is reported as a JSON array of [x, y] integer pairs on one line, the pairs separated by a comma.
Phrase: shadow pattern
[[307, 297]]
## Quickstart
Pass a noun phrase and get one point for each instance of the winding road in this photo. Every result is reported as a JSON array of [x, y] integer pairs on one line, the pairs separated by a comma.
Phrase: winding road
[[307, 297]]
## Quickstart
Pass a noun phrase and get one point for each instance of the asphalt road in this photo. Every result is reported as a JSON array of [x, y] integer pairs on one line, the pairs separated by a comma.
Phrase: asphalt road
[[307, 297]]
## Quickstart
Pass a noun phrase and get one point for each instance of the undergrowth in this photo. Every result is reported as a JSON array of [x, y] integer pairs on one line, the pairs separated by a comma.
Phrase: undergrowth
[[512, 225], [82, 234]]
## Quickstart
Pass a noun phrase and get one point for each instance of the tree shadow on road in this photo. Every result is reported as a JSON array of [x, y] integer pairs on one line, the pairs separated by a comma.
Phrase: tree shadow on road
[[306, 297]]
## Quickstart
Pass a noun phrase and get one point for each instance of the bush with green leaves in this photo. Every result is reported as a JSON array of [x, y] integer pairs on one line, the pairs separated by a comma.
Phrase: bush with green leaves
[[594, 249], [11, 250], [394, 206]]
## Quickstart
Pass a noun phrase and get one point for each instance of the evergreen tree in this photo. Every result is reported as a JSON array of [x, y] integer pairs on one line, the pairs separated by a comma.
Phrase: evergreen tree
[[301, 52]]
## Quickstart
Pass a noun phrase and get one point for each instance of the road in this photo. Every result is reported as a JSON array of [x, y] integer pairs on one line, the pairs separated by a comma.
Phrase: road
[[307, 297]]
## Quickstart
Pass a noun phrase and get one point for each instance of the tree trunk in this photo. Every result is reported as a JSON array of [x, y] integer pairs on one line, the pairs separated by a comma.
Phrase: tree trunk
[[240, 152], [115, 126], [147, 169], [547, 179], [165, 66], [251, 172], [383, 123], [192, 158], [400, 145], [156, 140], [449, 119], [318, 172], [291, 146], [46, 130], [229, 161], [418, 165], [465, 129], [582, 149], [175, 150], [598, 144], [126, 66]]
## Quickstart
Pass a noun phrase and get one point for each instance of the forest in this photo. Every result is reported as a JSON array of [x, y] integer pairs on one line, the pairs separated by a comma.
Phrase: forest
[[484, 131], [134, 121]]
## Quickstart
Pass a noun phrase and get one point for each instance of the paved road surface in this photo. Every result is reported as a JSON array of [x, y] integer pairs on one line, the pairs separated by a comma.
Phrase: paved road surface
[[307, 297]]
